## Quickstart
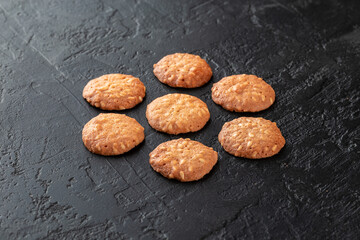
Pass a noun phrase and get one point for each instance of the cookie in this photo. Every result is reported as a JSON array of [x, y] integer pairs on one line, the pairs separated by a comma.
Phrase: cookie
[[177, 113], [112, 134], [114, 92], [243, 93], [251, 138], [183, 159], [183, 70]]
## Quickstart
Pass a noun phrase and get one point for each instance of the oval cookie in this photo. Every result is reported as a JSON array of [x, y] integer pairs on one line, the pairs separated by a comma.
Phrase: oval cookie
[[183, 70], [243, 93], [114, 92], [251, 138], [183, 159], [177, 113], [112, 134]]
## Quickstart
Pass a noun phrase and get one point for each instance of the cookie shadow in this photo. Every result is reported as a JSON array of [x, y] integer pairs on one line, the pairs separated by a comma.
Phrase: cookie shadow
[[129, 154], [206, 177], [125, 111], [191, 91], [193, 135], [277, 158], [263, 113]]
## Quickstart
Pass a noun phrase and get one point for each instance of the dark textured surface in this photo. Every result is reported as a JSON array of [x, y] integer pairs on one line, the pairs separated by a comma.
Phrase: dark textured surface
[[53, 188]]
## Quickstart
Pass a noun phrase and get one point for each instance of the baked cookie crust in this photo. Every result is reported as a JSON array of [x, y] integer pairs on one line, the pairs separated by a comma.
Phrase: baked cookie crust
[[183, 70], [251, 138], [112, 134], [177, 113], [183, 159], [114, 92], [243, 93]]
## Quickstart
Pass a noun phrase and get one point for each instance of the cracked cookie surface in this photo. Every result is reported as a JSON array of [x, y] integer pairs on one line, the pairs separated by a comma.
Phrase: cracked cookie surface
[[183, 70], [112, 134], [177, 113], [251, 138], [243, 93], [183, 159], [114, 92]]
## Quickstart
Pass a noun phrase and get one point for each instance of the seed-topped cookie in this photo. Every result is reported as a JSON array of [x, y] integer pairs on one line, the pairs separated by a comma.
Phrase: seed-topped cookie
[[243, 93], [114, 92], [112, 134], [177, 113], [183, 159], [251, 138], [183, 70]]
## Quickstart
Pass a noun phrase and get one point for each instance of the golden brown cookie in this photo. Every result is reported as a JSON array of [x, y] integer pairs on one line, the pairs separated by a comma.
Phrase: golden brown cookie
[[177, 113], [114, 92], [243, 93], [183, 159], [112, 134], [183, 70], [251, 138]]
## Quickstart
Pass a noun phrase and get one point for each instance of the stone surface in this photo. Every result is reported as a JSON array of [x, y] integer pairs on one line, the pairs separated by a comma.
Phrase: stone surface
[[53, 188]]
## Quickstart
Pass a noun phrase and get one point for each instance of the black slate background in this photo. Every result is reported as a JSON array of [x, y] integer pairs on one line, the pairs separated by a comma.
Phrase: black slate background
[[53, 188]]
